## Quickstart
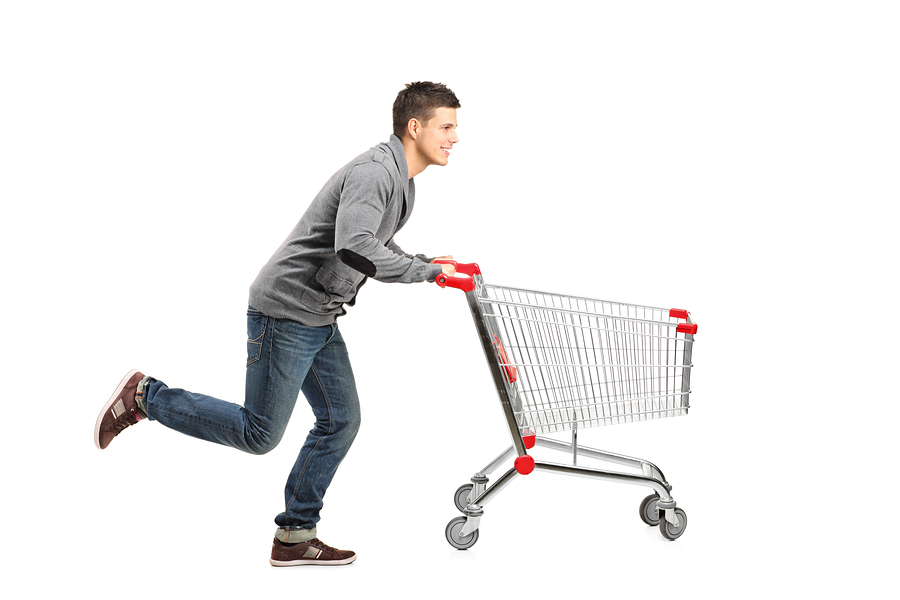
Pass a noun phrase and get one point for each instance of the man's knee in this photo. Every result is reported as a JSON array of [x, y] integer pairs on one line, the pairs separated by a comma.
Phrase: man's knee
[[345, 426], [262, 442]]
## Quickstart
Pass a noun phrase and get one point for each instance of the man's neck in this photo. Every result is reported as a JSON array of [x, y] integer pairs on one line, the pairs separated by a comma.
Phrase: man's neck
[[415, 164]]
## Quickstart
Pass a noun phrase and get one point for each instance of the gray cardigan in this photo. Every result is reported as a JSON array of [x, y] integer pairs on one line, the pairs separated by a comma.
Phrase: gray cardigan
[[345, 236]]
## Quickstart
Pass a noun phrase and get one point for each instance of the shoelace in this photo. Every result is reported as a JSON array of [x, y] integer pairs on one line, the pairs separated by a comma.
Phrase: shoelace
[[125, 420], [321, 545]]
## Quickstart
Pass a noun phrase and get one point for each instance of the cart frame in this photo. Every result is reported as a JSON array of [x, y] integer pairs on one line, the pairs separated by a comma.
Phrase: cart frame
[[657, 509]]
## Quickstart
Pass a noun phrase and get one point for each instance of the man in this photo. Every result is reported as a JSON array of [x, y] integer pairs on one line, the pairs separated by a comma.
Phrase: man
[[293, 343]]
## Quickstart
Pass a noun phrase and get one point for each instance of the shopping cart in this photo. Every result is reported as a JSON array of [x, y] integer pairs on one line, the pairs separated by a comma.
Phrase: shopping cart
[[561, 363]]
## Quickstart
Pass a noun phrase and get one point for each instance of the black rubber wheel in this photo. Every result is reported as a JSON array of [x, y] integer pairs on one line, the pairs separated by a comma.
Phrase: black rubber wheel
[[649, 510], [670, 531], [461, 494], [452, 533]]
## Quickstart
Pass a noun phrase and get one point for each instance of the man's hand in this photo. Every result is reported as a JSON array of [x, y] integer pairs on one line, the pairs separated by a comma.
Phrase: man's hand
[[449, 270]]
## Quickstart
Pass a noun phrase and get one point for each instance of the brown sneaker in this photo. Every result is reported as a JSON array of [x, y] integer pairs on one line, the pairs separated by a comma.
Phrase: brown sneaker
[[120, 411], [312, 552]]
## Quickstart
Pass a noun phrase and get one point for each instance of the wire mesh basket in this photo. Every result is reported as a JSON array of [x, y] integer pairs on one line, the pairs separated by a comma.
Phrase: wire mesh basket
[[578, 362]]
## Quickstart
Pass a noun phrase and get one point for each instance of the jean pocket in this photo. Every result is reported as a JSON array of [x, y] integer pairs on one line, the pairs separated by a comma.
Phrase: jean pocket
[[256, 332]]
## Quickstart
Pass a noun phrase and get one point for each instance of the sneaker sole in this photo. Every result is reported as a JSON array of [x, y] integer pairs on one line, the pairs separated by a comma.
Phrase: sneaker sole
[[108, 405], [310, 561]]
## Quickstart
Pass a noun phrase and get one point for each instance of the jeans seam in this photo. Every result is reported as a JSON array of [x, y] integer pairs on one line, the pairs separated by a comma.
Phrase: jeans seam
[[270, 363], [206, 422], [315, 373], [329, 431]]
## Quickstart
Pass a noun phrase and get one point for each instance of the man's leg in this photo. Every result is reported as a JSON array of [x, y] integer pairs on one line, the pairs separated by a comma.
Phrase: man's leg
[[279, 355], [331, 391]]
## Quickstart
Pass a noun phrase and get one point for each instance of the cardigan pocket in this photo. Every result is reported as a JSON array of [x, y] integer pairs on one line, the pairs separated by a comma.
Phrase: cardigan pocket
[[327, 290]]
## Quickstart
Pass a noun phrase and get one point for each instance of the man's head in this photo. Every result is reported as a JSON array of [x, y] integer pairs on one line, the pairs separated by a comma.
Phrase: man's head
[[425, 122], [420, 101]]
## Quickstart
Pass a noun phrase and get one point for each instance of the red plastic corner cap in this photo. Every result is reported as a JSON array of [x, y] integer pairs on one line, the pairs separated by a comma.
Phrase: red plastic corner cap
[[678, 313], [524, 465], [529, 441], [687, 328]]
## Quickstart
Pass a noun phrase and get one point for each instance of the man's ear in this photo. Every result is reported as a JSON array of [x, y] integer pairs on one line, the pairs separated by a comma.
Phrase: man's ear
[[413, 127]]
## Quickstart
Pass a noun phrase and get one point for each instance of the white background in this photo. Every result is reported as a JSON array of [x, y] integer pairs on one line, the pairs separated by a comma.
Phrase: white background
[[738, 160]]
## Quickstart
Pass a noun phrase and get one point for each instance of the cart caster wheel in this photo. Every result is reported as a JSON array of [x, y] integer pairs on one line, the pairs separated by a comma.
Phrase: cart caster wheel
[[452, 533], [650, 511], [669, 531], [461, 495]]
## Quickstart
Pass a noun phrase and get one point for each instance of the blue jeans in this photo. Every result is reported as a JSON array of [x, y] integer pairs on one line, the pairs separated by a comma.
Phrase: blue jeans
[[283, 358]]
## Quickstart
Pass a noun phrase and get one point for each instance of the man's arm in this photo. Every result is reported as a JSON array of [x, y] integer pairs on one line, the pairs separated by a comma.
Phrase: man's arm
[[364, 198], [448, 269], [398, 250]]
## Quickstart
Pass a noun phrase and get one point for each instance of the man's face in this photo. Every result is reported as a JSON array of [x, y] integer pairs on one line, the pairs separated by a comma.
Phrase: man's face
[[437, 136]]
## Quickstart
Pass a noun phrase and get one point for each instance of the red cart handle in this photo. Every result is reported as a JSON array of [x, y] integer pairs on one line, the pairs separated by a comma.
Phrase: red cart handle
[[466, 284]]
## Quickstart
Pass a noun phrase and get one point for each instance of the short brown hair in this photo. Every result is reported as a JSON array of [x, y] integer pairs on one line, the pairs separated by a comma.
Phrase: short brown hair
[[419, 100]]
